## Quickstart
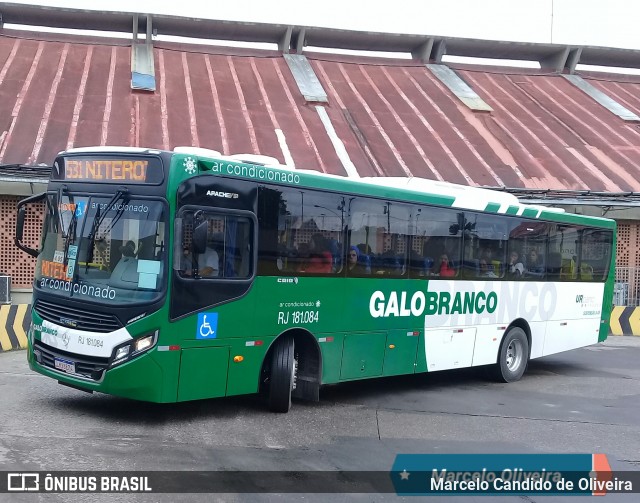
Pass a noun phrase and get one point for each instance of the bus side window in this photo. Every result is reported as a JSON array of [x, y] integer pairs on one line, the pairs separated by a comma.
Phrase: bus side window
[[528, 239], [435, 232], [596, 254], [382, 230], [301, 231]]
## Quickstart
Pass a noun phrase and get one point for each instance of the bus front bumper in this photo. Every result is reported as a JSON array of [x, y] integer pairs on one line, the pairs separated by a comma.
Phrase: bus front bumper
[[142, 378]]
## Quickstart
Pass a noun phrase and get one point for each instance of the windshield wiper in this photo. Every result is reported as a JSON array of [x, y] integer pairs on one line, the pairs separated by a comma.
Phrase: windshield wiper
[[120, 193], [70, 235], [91, 245], [99, 218], [61, 190]]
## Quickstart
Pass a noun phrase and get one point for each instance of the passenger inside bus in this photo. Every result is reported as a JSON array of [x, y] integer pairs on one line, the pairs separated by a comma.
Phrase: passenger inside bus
[[128, 249], [586, 272], [486, 270], [535, 266], [515, 268], [209, 262], [356, 265], [444, 269], [493, 260], [320, 259], [487, 255]]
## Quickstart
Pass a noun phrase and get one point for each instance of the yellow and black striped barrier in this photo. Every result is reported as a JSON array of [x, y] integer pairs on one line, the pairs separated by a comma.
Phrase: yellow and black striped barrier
[[14, 325], [625, 320]]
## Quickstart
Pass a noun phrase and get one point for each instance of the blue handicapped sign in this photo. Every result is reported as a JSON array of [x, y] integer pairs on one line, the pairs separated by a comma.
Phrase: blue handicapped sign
[[207, 326], [81, 206]]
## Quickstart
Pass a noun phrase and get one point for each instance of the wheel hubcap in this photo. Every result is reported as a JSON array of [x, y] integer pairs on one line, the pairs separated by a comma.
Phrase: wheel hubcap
[[514, 355]]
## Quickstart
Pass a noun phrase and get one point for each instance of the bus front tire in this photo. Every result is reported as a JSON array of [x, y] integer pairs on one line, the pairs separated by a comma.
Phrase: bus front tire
[[513, 356], [283, 375]]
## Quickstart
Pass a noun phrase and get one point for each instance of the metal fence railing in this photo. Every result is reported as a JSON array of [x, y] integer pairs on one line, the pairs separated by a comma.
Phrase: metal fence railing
[[627, 286]]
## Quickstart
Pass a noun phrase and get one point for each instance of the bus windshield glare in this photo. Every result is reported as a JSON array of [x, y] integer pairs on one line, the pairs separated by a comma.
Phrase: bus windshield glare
[[103, 248]]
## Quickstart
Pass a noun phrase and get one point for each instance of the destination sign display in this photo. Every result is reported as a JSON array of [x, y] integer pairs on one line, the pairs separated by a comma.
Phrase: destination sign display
[[109, 169]]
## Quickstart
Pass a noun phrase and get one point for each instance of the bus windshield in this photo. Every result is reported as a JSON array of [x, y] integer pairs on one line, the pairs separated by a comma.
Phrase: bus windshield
[[103, 248]]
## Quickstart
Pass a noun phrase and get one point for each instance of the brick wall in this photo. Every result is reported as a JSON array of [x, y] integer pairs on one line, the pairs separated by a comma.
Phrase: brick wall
[[14, 262]]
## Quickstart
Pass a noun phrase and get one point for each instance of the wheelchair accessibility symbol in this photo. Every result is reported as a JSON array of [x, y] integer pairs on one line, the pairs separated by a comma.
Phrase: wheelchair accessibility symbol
[[207, 326]]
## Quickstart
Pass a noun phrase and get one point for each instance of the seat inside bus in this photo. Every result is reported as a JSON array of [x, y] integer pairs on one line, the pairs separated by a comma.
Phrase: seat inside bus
[[554, 264]]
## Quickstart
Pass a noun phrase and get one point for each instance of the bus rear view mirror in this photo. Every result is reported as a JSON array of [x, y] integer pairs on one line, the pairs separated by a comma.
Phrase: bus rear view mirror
[[200, 238], [22, 211], [21, 216]]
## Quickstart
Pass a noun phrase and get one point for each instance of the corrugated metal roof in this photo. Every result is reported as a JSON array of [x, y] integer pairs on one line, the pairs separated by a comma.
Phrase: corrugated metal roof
[[394, 117]]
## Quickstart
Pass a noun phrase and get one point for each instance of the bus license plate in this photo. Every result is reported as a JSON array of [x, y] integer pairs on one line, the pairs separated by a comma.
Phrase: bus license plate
[[65, 365]]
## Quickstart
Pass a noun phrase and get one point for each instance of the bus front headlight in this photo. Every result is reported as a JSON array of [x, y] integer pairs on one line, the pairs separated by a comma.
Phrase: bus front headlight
[[121, 353], [144, 343], [131, 349]]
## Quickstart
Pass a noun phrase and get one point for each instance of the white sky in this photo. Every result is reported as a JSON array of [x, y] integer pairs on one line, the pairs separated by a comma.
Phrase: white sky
[[612, 23]]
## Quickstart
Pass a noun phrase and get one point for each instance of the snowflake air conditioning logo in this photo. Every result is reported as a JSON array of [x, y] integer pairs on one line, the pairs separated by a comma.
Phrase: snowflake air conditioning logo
[[190, 165]]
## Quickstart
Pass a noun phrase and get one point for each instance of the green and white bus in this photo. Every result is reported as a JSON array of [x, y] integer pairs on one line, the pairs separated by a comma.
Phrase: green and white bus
[[168, 276]]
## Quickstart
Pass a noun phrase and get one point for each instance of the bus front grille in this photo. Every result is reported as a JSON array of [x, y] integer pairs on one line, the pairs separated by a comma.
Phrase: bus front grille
[[80, 319], [89, 367]]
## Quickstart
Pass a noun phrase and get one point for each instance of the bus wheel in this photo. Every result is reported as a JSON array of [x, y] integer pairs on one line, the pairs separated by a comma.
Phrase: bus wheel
[[513, 357], [283, 375]]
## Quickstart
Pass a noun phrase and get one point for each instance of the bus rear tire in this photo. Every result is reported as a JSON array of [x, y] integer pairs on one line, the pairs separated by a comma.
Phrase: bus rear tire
[[283, 375], [513, 357]]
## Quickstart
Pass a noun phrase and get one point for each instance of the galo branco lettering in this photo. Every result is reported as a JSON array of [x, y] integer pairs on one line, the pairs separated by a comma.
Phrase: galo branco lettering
[[431, 303]]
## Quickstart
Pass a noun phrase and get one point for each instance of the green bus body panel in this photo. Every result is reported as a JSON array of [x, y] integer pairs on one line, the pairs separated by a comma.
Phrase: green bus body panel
[[139, 379], [244, 375], [331, 357], [203, 373], [169, 362], [421, 356], [571, 218], [607, 300], [363, 355], [401, 358]]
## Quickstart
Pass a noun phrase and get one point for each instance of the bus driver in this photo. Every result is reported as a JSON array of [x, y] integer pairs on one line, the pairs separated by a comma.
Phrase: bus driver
[[209, 262]]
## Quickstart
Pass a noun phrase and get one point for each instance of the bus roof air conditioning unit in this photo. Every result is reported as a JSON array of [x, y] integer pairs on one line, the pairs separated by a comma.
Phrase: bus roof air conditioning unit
[[260, 160], [199, 151]]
